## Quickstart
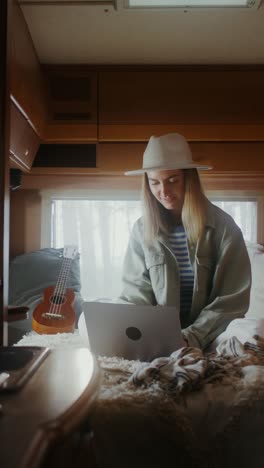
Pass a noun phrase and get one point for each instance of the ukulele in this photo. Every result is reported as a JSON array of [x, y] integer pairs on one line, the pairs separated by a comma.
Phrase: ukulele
[[56, 313]]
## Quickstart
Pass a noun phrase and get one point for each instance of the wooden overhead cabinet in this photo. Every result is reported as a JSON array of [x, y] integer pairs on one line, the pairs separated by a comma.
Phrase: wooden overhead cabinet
[[202, 104], [24, 142]]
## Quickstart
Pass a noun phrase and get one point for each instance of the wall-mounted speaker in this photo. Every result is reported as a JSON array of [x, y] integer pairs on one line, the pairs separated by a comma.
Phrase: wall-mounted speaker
[[15, 179]]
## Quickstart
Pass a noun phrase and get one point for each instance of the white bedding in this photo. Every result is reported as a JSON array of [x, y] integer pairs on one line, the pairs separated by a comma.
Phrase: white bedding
[[243, 329], [198, 410]]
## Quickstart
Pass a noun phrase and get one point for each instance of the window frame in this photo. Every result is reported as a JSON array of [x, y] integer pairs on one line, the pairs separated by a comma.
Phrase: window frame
[[134, 193]]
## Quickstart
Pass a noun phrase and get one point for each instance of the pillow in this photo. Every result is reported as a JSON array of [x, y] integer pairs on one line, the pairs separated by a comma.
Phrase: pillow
[[256, 305], [31, 273]]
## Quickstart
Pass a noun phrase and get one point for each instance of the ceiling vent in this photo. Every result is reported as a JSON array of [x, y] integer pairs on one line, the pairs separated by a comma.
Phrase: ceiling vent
[[187, 4]]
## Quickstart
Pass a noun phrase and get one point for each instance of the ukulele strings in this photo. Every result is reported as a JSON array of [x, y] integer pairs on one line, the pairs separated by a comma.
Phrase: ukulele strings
[[64, 277], [60, 287]]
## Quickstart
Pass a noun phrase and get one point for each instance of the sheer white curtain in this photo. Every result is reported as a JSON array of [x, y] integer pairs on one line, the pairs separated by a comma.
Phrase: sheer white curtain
[[244, 212], [101, 229]]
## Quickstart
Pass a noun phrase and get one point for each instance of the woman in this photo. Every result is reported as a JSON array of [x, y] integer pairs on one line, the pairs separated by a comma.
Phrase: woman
[[185, 251]]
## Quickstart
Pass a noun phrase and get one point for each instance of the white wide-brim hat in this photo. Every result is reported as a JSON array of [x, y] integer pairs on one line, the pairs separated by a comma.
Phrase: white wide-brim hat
[[167, 152]]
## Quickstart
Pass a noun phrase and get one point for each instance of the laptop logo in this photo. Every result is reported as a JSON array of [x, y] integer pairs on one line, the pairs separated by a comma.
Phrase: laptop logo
[[133, 333]]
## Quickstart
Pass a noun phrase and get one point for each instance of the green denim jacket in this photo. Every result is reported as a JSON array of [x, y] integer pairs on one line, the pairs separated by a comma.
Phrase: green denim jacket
[[222, 276]]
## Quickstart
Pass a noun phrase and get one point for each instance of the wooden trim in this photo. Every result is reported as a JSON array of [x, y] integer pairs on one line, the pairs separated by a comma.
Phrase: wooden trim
[[105, 3], [73, 171], [230, 132], [82, 181], [5, 8], [84, 67], [21, 110], [18, 163], [70, 133], [231, 180], [211, 180]]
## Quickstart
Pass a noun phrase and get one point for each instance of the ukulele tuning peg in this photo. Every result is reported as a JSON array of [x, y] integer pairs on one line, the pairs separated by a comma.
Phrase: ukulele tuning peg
[[70, 251]]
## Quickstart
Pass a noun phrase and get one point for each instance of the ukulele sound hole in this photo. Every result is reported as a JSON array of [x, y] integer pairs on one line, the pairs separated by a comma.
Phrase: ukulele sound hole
[[58, 299]]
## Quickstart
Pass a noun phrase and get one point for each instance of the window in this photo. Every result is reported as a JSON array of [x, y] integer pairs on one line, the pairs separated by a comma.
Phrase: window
[[101, 226], [244, 212], [101, 230]]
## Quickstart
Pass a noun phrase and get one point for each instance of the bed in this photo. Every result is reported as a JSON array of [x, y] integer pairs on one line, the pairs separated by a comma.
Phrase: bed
[[191, 409]]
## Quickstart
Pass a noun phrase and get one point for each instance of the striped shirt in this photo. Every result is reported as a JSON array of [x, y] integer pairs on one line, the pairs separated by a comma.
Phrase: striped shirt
[[178, 241]]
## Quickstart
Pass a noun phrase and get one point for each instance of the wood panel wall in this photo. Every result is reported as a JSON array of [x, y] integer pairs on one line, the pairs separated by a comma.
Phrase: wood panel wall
[[25, 221]]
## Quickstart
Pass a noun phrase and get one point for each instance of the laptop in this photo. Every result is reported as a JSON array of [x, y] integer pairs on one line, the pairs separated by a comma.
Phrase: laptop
[[141, 332]]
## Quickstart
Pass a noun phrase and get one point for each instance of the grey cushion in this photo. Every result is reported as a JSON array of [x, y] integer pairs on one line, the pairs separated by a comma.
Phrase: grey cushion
[[31, 273]]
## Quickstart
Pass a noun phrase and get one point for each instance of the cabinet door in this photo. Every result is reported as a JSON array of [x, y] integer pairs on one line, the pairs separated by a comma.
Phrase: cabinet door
[[24, 142], [203, 105], [72, 102]]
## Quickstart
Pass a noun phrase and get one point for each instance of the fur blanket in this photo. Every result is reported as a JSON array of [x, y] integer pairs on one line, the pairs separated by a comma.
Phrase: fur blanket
[[188, 410]]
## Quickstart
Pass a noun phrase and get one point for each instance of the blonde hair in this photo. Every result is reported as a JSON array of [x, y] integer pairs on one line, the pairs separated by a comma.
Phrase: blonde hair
[[158, 219]]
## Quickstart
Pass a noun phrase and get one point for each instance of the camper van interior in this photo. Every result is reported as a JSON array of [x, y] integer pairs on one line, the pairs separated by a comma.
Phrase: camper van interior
[[84, 85]]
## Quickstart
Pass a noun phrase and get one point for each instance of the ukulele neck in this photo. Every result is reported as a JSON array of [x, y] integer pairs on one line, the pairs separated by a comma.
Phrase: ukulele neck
[[61, 284]]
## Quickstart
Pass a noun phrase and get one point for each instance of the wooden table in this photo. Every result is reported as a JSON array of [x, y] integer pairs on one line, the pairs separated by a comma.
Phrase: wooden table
[[52, 404]]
